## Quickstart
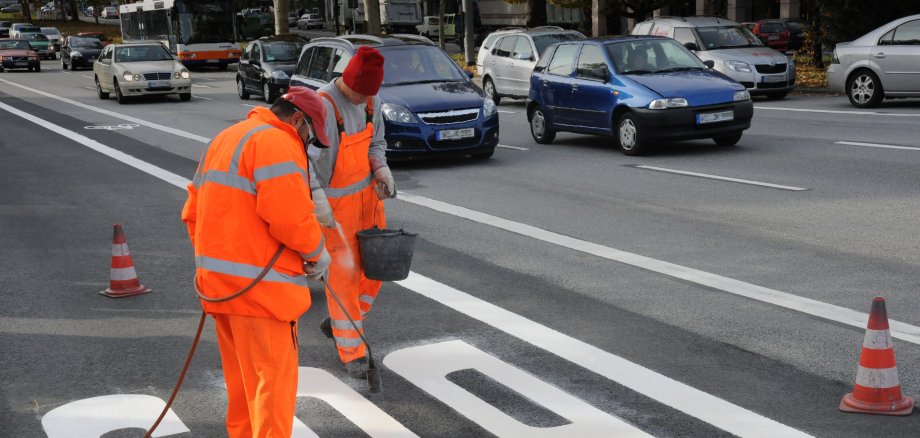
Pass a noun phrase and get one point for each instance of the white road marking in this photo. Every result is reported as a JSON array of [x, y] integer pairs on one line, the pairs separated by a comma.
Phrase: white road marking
[[157, 126], [98, 416], [254, 106], [202, 97], [855, 113], [89, 88], [87, 76], [830, 312], [707, 407], [517, 148], [205, 79], [201, 86], [735, 419], [876, 145], [720, 178], [508, 112]]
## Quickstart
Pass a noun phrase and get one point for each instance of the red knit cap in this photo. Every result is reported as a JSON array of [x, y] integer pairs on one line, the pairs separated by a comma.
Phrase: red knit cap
[[364, 73]]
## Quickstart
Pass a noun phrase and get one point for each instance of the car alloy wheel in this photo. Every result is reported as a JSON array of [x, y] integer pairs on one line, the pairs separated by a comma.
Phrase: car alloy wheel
[[538, 129], [628, 135], [489, 88], [267, 93], [102, 94], [865, 90], [241, 89], [118, 96]]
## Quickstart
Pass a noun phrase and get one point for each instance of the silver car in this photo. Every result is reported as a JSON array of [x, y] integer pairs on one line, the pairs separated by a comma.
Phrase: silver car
[[733, 50], [140, 69], [882, 63], [507, 67]]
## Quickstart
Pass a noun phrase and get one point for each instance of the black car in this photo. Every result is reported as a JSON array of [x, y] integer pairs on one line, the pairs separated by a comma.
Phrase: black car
[[266, 66], [79, 52], [5, 29]]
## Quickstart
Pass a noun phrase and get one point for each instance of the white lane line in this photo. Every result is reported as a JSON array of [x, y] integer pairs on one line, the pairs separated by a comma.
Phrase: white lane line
[[87, 76], [142, 122], [136, 163], [508, 112], [699, 404], [517, 148], [89, 88], [720, 178], [202, 97], [254, 106], [856, 113], [707, 407], [830, 312], [205, 79], [201, 86], [876, 145]]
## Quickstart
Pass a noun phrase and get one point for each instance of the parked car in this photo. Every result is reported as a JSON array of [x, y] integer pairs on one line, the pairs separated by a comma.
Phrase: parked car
[[109, 12], [80, 52], [880, 64], [140, 69], [773, 33], [39, 43], [17, 53], [430, 26], [266, 66], [507, 68], [796, 33], [89, 11], [486, 47], [103, 38], [292, 19], [636, 89], [733, 49], [257, 25], [5, 29], [14, 28], [309, 21], [430, 106], [54, 35], [14, 8]]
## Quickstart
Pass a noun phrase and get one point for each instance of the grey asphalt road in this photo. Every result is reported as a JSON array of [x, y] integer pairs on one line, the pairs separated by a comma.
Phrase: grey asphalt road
[[585, 292]]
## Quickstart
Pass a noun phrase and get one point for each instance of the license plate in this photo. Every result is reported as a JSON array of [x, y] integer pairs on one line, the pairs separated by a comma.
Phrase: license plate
[[157, 84], [722, 116], [772, 37], [456, 134], [212, 61], [774, 78], [22, 64]]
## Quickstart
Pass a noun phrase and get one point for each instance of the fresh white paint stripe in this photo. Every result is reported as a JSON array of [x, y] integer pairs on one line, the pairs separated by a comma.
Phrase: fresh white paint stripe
[[699, 404], [138, 164], [843, 315], [876, 145], [507, 112], [121, 274], [201, 86], [202, 97], [87, 76], [721, 178], [878, 340], [517, 148], [855, 113], [156, 126], [205, 79], [877, 377]]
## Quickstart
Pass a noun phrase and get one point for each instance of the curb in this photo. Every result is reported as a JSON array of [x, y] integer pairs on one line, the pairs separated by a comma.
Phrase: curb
[[814, 90]]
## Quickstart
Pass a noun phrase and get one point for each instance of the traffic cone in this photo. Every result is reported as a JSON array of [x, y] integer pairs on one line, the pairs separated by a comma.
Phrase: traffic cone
[[877, 389], [123, 281]]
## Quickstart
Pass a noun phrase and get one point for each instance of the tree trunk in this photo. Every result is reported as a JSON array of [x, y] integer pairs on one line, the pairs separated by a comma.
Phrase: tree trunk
[[26, 12], [537, 13], [282, 9], [372, 16], [74, 13], [441, 24]]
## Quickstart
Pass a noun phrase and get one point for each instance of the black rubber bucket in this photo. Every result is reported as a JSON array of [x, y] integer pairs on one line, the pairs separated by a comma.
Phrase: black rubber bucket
[[386, 255]]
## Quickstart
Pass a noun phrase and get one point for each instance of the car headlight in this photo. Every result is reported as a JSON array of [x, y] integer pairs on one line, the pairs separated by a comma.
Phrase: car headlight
[[738, 66], [278, 74], [488, 107], [674, 102], [397, 113], [182, 74], [75, 54], [741, 95], [130, 77]]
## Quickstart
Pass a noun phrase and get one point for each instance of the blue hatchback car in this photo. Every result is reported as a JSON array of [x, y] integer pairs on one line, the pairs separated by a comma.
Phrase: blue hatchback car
[[637, 89], [430, 106]]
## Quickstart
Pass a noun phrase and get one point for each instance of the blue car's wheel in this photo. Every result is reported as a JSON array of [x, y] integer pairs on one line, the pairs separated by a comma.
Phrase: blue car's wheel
[[539, 129], [628, 135]]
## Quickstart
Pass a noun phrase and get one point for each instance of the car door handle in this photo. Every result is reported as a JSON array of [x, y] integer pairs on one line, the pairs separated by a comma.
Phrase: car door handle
[[545, 83], [574, 87], [879, 55]]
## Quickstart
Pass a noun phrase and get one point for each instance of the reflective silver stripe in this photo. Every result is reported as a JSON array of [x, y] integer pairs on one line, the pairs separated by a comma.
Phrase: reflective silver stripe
[[246, 271], [227, 179], [878, 340], [317, 251], [348, 190], [235, 161], [348, 342], [121, 274], [276, 170], [877, 377], [367, 299], [345, 325]]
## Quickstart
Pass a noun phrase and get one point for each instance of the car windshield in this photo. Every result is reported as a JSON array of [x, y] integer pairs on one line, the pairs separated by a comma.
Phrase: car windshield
[[142, 53], [282, 51], [89, 43], [726, 37], [652, 56], [35, 36], [414, 64], [15, 44], [50, 31], [544, 41]]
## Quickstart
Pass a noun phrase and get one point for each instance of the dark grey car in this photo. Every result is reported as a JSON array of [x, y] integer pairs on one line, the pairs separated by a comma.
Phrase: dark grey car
[[266, 66], [80, 52]]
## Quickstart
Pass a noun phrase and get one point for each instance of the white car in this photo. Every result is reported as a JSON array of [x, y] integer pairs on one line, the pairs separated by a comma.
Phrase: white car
[[140, 69], [487, 44], [109, 12], [309, 21], [292, 19], [430, 27]]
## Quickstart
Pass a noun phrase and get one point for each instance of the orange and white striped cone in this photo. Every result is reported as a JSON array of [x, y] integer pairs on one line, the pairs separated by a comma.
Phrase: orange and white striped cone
[[123, 281], [877, 389]]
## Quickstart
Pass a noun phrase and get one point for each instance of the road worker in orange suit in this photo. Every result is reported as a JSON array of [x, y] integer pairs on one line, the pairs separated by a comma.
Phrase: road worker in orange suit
[[249, 205], [349, 182]]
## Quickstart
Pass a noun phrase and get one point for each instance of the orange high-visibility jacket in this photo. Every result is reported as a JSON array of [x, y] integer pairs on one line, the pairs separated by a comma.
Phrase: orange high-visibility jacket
[[251, 193]]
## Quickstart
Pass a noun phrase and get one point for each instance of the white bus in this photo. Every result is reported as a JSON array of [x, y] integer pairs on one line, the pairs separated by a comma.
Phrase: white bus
[[200, 32]]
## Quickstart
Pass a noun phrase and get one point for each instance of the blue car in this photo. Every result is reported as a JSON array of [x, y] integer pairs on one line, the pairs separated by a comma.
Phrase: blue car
[[639, 90], [430, 106]]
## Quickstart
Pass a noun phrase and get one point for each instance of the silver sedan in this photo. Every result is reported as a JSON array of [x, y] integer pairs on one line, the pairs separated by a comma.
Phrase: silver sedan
[[882, 63]]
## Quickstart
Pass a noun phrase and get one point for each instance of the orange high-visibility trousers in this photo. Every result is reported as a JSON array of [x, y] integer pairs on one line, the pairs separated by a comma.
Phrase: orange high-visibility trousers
[[259, 357]]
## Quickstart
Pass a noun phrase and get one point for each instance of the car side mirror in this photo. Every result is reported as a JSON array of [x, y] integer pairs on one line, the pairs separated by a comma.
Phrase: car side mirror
[[709, 63], [692, 46]]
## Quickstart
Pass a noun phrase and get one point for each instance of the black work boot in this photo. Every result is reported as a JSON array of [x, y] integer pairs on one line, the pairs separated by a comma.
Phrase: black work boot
[[357, 368], [326, 327]]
